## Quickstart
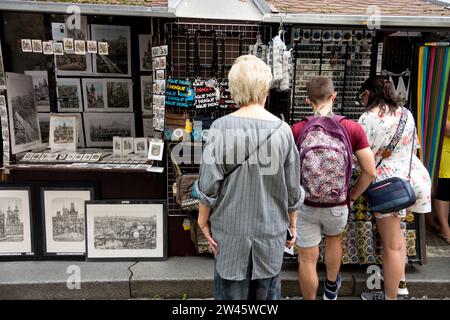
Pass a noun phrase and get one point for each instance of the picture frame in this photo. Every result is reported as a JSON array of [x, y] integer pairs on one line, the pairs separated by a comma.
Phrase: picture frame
[[68, 91], [145, 52], [156, 150], [146, 94], [80, 135], [100, 128], [63, 132], [24, 125], [41, 90], [147, 124], [126, 230], [16, 232], [94, 93], [141, 145], [44, 125], [118, 38], [117, 145], [127, 145], [67, 61], [119, 95]]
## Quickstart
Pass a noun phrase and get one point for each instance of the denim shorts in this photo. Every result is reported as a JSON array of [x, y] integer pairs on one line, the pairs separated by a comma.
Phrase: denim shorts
[[312, 222]]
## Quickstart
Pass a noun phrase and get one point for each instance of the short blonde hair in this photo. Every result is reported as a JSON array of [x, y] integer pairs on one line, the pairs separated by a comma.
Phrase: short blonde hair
[[249, 80]]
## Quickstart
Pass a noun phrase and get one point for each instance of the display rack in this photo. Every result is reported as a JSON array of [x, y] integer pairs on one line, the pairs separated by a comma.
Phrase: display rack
[[204, 51], [343, 55]]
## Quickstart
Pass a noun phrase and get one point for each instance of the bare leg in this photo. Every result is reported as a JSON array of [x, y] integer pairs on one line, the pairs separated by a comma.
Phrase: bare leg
[[394, 260], [307, 272], [441, 209], [333, 256]]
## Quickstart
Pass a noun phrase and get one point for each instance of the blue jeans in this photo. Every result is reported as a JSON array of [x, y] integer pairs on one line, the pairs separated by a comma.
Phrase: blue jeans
[[259, 289]]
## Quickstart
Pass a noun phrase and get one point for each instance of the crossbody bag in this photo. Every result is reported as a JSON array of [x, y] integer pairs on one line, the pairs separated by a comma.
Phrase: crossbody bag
[[393, 194]]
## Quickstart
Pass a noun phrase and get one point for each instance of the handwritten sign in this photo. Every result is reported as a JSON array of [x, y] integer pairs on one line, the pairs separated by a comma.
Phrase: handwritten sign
[[179, 93]]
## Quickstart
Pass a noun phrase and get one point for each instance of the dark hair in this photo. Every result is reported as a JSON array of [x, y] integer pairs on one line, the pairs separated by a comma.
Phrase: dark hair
[[319, 88], [381, 93]]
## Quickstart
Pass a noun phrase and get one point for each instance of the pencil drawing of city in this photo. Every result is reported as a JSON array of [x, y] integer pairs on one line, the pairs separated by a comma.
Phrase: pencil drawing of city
[[125, 232], [68, 219], [11, 220]]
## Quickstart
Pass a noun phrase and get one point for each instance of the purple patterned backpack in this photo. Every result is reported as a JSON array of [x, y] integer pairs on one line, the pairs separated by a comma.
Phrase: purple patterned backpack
[[325, 161]]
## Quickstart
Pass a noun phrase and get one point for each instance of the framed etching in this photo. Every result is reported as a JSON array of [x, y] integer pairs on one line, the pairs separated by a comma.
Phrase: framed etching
[[80, 135], [63, 132], [145, 52], [40, 89], [64, 220], [119, 95], [126, 230], [156, 150], [146, 94], [100, 128], [70, 63], [94, 92], [118, 60], [44, 126], [23, 119], [15, 221], [141, 146], [69, 95]]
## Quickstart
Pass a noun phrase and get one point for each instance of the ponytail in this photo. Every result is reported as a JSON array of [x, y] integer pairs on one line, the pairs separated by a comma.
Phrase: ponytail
[[382, 93]]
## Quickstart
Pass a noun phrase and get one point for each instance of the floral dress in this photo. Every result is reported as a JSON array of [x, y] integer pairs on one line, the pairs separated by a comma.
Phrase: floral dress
[[380, 130]]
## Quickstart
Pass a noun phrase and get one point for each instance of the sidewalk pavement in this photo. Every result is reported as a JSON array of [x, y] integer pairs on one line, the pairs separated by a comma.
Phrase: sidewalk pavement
[[179, 277]]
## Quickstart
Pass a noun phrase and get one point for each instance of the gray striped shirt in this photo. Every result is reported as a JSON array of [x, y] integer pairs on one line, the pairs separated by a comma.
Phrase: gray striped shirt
[[250, 207]]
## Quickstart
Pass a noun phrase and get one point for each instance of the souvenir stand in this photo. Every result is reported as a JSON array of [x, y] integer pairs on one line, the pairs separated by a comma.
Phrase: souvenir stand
[[76, 84], [138, 80]]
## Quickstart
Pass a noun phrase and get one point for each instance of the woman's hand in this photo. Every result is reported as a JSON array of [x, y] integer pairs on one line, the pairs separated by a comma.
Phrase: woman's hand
[[204, 226], [290, 243]]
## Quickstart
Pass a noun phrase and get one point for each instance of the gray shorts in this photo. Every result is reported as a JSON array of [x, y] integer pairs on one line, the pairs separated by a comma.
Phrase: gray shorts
[[312, 222]]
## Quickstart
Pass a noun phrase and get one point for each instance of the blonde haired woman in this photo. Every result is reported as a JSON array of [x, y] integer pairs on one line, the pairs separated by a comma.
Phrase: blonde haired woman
[[249, 189]]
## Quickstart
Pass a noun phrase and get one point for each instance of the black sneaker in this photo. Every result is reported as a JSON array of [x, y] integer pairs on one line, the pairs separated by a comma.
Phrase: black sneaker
[[332, 293]]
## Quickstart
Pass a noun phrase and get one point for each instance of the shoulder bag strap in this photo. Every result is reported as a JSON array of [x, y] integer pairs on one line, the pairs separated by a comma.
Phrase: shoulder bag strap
[[398, 134], [251, 153], [412, 153]]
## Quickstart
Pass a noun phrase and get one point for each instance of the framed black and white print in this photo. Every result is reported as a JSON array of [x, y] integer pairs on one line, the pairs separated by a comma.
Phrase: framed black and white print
[[146, 94], [68, 62], [145, 52], [69, 95], [63, 132], [41, 90], [119, 95], [15, 221], [126, 230], [23, 119], [94, 93], [63, 210], [100, 128], [118, 60]]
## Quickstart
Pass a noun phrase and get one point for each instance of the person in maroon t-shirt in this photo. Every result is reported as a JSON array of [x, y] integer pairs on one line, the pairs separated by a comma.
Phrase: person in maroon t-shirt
[[313, 221]]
